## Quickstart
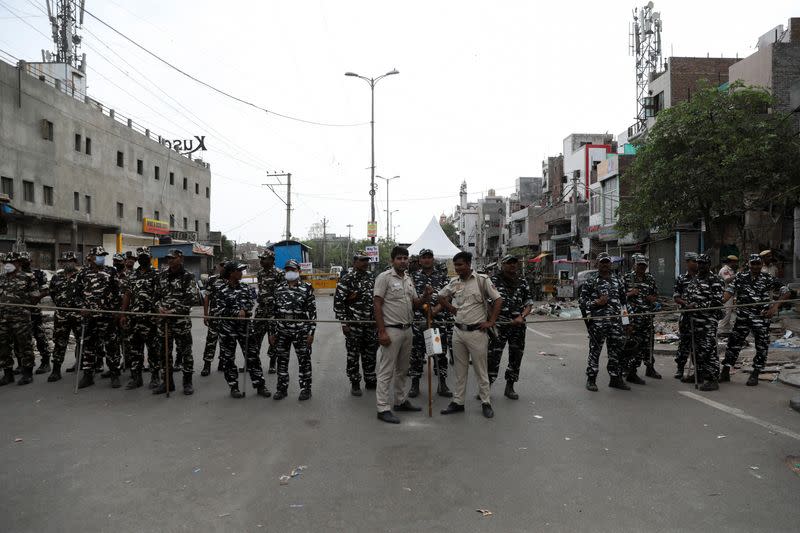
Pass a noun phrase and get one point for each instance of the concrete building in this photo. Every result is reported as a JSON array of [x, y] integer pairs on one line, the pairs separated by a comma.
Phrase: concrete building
[[465, 219], [491, 227], [552, 180], [582, 152], [81, 175]]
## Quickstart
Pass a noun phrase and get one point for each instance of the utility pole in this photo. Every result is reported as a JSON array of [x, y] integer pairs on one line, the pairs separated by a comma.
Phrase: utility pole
[[388, 221], [576, 239], [288, 201], [349, 239], [324, 239]]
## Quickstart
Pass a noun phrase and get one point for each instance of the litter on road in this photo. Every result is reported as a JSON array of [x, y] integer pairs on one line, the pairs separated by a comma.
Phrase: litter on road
[[485, 512]]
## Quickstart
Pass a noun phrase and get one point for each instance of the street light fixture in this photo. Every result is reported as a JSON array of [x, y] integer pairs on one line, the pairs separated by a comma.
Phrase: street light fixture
[[372, 82], [387, 180]]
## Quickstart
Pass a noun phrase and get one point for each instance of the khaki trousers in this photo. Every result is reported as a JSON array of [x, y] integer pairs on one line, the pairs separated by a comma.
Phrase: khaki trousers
[[393, 364], [468, 344]]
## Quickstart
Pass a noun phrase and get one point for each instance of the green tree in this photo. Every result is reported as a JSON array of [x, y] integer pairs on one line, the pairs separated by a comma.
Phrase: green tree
[[711, 158], [451, 231], [225, 251]]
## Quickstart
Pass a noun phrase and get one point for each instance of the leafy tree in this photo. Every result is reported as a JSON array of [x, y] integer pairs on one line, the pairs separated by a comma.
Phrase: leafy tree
[[711, 158], [451, 231], [225, 251]]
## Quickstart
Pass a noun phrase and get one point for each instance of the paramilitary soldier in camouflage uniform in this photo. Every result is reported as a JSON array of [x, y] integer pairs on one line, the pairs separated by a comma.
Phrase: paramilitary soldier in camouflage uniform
[[427, 274], [37, 323], [353, 301], [16, 287], [294, 299], [213, 284], [64, 293], [176, 292], [684, 332], [139, 330], [705, 290], [235, 300], [114, 331], [269, 278], [751, 287], [517, 304], [641, 292], [98, 290], [604, 295]]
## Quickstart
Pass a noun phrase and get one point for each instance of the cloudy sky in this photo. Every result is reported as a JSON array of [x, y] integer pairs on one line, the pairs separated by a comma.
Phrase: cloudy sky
[[486, 90]]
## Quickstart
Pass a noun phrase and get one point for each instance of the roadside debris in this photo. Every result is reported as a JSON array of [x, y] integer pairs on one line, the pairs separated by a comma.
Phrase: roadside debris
[[720, 436], [18, 439], [793, 462], [485, 512], [223, 515], [296, 471]]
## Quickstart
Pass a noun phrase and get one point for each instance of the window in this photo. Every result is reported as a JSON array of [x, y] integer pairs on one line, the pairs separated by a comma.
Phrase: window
[[120, 210], [208, 193], [185, 223], [47, 130], [88, 146], [139, 167], [171, 221], [47, 195], [88, 201], [594, 202], [77, 142], [139, 214], [156, 215], [185, 184], [76, 201], [157, 173], [8, 187], [172, 178], [120, 160], [27, 190], [196, 225], [197, 188]]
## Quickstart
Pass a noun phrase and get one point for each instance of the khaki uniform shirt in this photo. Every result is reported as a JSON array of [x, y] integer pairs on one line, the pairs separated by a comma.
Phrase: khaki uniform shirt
[[467, 299], [398, 295]]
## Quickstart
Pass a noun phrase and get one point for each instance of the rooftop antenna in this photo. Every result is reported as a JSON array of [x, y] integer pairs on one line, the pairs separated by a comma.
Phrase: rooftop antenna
[[66, 18], [644, 44]]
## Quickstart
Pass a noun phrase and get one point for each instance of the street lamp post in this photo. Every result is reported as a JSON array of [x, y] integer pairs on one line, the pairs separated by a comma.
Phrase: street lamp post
[[389, 220], [387, 180], [372, 82]]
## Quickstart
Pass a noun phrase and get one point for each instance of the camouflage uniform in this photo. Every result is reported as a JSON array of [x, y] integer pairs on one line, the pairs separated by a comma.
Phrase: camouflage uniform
[[214, 284], [15, 322], [37, 321], [684, 331], [177, 292], [268, 280], [115, 333], [516, 296], [748, 290], [608, 330], [705, 291], [294, 302], [142, 331], [98, 290], [642, 335], [362, 341], [438, 281], [64, 293], [230, 299]]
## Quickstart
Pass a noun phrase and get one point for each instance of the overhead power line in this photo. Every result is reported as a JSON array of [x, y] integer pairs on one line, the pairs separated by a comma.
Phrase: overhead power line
[[213, 88]]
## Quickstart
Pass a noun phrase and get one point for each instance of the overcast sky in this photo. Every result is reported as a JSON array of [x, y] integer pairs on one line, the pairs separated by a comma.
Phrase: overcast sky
[[486, 90]]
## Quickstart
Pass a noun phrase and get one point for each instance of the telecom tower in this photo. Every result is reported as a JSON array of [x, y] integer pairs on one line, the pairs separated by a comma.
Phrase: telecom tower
[[645, 45]]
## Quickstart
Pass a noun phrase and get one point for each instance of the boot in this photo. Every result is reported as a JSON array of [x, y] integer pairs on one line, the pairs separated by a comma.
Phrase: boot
[[87, 379], [709, 385], [8, 377], [633, 377], [263, 391], [370, 385], [279, 395], [73, 368], [305, 394], [725, 374], [115, 384], [188, 390], [414, 391], [509, 392], [136, 380], [679, 372], [652, 373], [355, 388], [162, 387], [752, 381], [44, 367], [617, 383], [442, 390], [55, 375], [206, 368], [27, 376], [155, 379], [591, 383], [236, 393]]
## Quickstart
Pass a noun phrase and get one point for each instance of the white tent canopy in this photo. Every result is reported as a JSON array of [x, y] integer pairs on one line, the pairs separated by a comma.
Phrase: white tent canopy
[[434, 239]]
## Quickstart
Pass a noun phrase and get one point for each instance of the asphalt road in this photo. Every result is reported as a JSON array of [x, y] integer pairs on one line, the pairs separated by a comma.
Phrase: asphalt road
[[559, 459]]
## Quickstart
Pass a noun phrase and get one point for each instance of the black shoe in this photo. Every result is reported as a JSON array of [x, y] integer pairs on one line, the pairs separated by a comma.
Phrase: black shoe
[[162, 387], [72, 368], [591, 384], [279, 395], [236, 393], [634, 378], [617, 383], [355, 388], [206, 369], [679, 373], [752, 381], [725, 374], [509, 392], [8, 377], [305, 394], [709, 385], [188, 389], [115, 381], [155, 380], [136, 380], [413, 392], [370, 385], [87, 380], [488, 412], [652, 373], [263, 391], [388, 416], [44, 368], [442, 390], [407, 406], [451, 408], [27, 376], [55, 375], [107, 374]]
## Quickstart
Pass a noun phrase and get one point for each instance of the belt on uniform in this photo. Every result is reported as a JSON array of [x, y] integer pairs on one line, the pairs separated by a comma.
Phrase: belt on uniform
[[468, 327], [398, 326]]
